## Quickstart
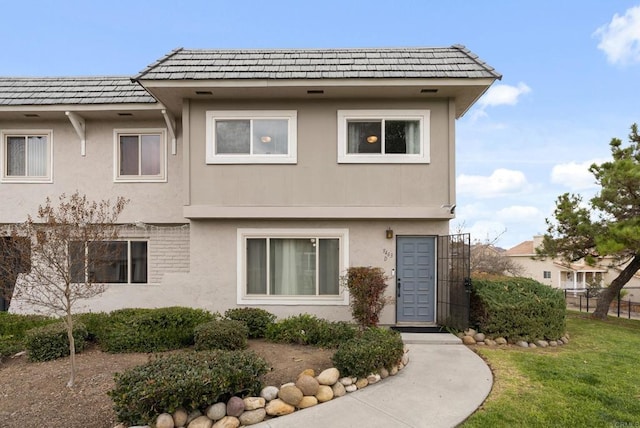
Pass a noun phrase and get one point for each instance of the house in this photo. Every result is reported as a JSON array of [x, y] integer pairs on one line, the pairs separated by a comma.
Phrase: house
[[256, 177]]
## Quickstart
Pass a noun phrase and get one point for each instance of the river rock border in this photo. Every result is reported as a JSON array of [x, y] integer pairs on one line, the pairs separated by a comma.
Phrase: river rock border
[[308, 390], [472, 337]]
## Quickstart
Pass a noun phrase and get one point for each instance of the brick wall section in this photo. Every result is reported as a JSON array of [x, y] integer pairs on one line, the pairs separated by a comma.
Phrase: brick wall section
[[168, 248]]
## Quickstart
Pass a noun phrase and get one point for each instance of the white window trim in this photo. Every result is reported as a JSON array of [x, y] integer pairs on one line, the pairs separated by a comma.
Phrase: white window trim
[[342, 299], [160, 178], [4, 178], [423, 116], [290, 157]]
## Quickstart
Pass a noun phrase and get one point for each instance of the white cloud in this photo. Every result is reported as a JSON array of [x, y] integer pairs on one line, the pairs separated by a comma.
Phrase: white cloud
[[519, 214], [501, 182], [620, 38], [575, 176], [503, 95]]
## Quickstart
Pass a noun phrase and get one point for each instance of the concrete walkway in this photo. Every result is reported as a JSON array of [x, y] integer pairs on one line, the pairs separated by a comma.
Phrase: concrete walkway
[[442, 385]]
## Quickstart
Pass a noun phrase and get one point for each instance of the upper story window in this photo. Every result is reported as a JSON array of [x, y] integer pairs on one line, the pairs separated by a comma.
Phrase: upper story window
[[264, 136], [383, 136], [27, 156], [546, 274], [140, 155]]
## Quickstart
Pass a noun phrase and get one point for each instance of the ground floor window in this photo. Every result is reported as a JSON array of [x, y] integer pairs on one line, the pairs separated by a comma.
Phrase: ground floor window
[[109, 262], [275, 264]]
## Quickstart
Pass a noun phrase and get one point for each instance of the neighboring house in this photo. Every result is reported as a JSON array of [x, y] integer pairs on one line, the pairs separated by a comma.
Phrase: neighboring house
[[256, 177]]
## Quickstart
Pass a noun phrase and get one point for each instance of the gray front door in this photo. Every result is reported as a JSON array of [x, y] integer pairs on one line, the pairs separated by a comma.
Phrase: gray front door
[[415, 279]]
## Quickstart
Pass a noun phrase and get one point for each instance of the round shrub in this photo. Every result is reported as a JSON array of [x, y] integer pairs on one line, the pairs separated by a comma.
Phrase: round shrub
[[191, 380], [374, 349], [51, 341], [96, 323], [13, 328], [305, 329], [222, 334], [258, 320]]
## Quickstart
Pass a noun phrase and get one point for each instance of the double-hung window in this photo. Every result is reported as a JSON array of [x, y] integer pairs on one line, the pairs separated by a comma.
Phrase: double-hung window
[[109, 262], [244, 137], [27, 156], [140, 155], [383, 136], [291, 266]]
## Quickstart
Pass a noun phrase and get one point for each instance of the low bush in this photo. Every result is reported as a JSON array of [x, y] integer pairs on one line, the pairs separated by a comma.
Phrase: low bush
[[49, 342], [192, 380], [308, 329], [151, 330], [223, 334], [517, 309], [373, 349], [13, 328], [258, 320], [96, 323], [366, 286]]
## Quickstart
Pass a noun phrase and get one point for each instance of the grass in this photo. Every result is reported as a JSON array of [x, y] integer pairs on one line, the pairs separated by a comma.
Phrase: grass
[[593, 381]]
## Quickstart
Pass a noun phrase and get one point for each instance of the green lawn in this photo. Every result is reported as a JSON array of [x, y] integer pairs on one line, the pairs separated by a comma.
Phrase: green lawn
[[594, 381]]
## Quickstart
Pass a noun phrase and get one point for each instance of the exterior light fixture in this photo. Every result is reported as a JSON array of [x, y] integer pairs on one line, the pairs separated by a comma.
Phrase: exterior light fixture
[[389, 233]]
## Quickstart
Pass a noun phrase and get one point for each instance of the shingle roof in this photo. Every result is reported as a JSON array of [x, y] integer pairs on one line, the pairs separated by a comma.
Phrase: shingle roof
[[524, 248], [440, 62], [71, 90]]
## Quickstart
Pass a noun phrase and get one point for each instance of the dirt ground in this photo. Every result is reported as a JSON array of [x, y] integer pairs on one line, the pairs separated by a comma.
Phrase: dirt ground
[[35, 395]]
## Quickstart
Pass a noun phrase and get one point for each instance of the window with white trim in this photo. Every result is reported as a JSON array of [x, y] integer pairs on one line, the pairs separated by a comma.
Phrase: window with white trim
[[281, 266], [243, 137], [109, 262], [546, 274], [383, 136], [140, 155], [27, 156]]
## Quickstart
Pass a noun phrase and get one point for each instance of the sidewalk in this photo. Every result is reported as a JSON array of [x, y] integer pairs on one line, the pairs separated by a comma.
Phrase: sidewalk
[[442, 385]]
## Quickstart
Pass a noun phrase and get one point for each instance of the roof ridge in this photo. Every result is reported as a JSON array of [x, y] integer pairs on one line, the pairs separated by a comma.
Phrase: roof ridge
[[155, 64], [123, 77], [477, 60]]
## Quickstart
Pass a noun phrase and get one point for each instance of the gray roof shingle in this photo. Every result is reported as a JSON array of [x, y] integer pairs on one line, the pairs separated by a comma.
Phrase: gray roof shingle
[[16, 91], [439, 62]]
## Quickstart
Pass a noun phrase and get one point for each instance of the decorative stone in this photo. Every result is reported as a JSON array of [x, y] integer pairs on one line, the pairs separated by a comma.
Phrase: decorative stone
[[565, 338], [481, 343], [307, 401], [287, 384], [201, 422], [393, 371], [384, 373], [277, 407], [405, 358], [373, 378], [338, 389], [351, 388], [553, 343], [559, 342], [328, 376], [165, 420], [324, 394], [308, 372], [490, 342], [533, 345], [522, 344], [479, 337], [307, 384], [362, 383], [253, 403], [269, 393], [193, 415], [346, 381], [470, 332], [541, 343], [468, 340], [253, 417], [290, 395], [227, 422], [180, 417], [501, 341], [400, 366], [235, 406], [216, 411]]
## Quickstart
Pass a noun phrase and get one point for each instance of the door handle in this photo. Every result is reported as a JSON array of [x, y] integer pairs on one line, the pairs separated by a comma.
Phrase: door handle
[[399, 286]]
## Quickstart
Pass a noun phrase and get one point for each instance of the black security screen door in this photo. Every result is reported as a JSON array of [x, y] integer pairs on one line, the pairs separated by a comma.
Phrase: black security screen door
[[454, 282]]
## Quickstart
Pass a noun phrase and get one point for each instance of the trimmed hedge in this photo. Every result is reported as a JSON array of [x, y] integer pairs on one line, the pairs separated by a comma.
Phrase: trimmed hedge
[[13, 329], [150, 330], [50, 341], [375, 348], [307, 329], [192, 380], [258, 320], [223, 334], [517, 309]]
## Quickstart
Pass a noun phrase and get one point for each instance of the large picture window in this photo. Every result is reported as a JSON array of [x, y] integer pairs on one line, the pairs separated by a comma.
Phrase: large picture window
[[140, 155], [109, 262], [26, 156], [383, 136], [251, 136], [280, 266]]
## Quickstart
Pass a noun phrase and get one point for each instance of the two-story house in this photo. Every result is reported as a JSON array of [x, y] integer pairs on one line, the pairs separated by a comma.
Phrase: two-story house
[[256, 177]]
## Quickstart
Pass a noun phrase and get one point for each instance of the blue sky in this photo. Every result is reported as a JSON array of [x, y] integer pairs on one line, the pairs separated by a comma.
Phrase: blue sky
[[571, 75]]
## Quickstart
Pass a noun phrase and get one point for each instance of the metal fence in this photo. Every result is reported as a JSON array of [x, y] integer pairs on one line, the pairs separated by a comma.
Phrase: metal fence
[[454, 283], [586, 300]]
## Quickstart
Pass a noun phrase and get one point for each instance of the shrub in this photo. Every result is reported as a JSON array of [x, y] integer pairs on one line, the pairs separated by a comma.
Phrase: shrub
[[517, 308], [258, 320], [50, 341], [305, 329], [192, 380], [151, 330], [96, 323], [374, 349], [366, 286], [222, 334], [13, 329]]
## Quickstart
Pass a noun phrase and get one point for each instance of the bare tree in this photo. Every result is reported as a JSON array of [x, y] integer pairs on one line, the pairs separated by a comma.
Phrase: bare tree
[[488, 258], [70, 250]]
